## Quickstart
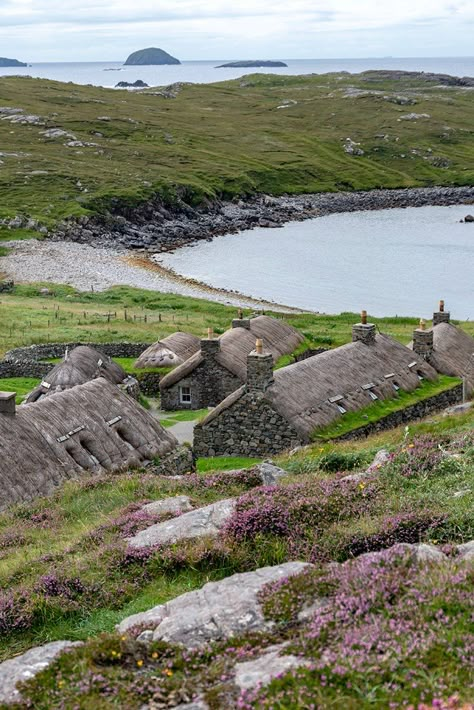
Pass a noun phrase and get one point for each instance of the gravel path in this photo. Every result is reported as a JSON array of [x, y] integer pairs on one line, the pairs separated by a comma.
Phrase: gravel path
[[86, 268]]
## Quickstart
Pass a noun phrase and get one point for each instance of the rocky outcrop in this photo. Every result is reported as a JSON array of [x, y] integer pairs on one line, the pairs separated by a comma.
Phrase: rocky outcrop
[[157, 227], [149, 56], [138, 84], [26, 666], [176, 504], [251, 63], [197, 523], [220, 610]]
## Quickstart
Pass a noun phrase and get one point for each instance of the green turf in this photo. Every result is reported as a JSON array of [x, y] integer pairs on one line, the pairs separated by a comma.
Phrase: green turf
[[21, 385]]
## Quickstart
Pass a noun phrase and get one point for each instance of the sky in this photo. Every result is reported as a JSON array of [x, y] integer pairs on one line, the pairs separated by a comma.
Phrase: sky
[[107, 30]]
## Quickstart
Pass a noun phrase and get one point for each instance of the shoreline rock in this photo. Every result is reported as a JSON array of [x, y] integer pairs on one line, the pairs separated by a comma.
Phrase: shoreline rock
[[155, 227]]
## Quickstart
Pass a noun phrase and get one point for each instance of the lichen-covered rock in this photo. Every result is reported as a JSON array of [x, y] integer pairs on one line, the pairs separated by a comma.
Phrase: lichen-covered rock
[[421, 552], [466, 551], [220, 610], [269, 473], [176, 504], [261, 671], [27, 666], [197, 523]]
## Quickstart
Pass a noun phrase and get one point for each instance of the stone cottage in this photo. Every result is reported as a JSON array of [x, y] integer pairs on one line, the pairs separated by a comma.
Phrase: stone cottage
[[275, 411], [220, 366], [447, 348], [90, 428]]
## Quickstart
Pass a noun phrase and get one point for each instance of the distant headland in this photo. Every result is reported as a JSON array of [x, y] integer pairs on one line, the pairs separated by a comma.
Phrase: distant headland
[[251, 63], [149, 56], [5, 62]]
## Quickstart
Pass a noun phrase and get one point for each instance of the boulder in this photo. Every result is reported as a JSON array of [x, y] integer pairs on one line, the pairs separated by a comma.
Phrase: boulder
[[26, 666], [177, 504], [220, 610], [381, 458], [197, 523], [421, 552], [261, 671], [469, 218], [466, 551]]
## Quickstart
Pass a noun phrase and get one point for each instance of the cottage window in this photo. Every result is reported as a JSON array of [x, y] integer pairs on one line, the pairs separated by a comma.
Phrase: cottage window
[[185, 395]]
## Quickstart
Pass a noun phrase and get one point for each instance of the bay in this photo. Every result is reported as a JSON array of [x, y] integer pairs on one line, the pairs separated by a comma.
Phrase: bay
[[389, 262]]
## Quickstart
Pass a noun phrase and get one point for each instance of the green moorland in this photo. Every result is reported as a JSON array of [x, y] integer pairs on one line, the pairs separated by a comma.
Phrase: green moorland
[[403, 640], [261, 133]]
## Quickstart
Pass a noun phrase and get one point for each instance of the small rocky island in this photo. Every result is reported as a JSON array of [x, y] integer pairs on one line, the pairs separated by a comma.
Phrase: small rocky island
[[251, 63], [138, 84], [150, 56], [5, 62]]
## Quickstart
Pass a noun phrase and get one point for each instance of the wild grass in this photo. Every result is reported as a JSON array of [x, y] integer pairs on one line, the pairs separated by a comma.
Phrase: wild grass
[[194, 145], [380, 409], [21, 385], [26, 318]]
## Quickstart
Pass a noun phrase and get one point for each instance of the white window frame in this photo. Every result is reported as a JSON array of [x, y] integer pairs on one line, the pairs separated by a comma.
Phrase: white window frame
[[185, 397]]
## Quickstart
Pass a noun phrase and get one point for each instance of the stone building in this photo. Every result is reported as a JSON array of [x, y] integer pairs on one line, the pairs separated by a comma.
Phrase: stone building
[[220, 366], [447, 348], [90, 428], [275, 411]]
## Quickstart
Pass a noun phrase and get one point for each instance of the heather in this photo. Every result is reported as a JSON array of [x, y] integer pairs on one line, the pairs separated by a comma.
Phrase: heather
[[386, 631]]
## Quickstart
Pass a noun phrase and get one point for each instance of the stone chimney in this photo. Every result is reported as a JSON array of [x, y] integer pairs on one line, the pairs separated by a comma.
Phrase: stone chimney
[[240, 321], [210, 346], [423, 341], [363, 332], [7, 404], [259, 369], [441, 316]]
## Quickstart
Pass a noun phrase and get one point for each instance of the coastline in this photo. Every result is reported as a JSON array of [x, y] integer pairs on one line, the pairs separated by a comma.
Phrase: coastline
[[153, 227]]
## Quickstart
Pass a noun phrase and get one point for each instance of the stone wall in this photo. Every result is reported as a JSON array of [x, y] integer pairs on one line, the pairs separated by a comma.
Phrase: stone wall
[[149, 383], [409, 414], [250, 427], [27, 362], [210, 383], [309, 353]]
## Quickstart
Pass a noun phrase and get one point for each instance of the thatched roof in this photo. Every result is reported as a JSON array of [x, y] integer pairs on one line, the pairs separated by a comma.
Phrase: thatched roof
[[278, 337], [170, 351], [93, 427], [302, 393], [77, 367], [453, 350]]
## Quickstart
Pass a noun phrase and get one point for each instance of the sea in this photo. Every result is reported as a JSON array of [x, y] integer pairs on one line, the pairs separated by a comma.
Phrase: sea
[[388, 262], [108, 74]]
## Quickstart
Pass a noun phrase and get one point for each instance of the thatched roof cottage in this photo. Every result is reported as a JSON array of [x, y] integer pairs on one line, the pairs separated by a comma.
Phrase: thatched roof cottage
[[79, 366], [169, 352], [446, 347], [91, 428], [276, 411], [220, 365]]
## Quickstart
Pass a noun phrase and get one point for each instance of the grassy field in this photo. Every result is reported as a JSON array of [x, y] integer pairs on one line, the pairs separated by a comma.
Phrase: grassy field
[[87, 581], [227, 139], [68, 316]]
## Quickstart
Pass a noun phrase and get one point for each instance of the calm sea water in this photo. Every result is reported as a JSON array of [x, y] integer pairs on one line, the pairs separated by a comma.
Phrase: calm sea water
[[391, 262], [109, 73]]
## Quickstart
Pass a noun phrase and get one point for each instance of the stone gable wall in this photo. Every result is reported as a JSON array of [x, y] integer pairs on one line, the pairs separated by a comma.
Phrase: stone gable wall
[[210, 383], [250, 427]]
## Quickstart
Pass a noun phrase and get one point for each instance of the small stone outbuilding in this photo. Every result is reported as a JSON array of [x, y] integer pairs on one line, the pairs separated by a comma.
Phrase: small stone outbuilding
[[276, 411], [169, 352], [220, 366], [78, 366]]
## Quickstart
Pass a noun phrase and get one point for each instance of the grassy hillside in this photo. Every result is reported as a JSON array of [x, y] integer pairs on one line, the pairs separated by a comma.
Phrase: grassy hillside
[[69, 316], [65, 572], [259, 133]]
